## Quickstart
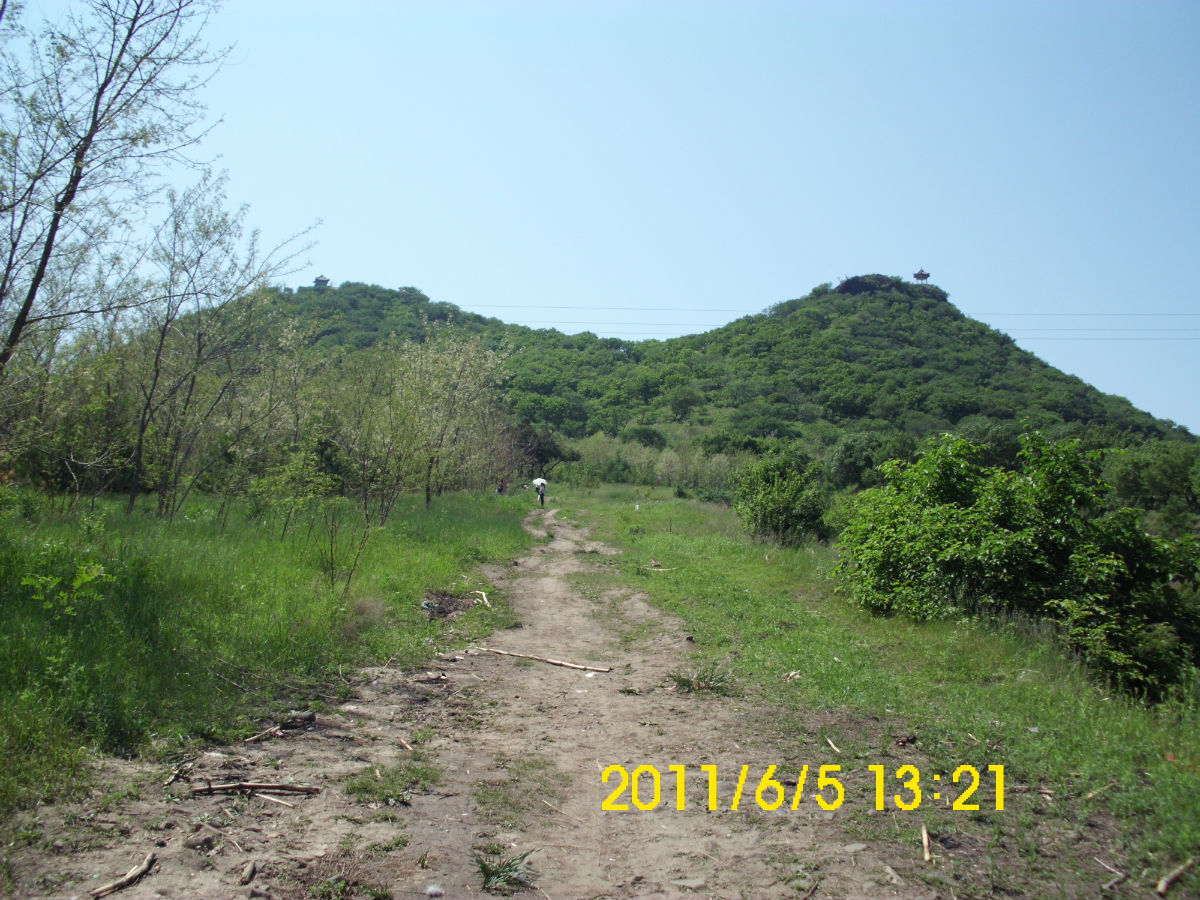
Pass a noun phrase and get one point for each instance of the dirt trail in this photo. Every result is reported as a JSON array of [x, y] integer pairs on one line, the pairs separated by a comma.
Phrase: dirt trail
[[520, 746]]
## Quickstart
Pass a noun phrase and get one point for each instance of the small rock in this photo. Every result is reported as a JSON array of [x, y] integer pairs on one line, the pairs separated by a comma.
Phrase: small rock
[[691, 884], [201, 840], [854, 848]]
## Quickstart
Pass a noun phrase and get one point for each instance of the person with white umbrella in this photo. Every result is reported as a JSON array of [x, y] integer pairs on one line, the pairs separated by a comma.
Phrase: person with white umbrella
[[539, 485]]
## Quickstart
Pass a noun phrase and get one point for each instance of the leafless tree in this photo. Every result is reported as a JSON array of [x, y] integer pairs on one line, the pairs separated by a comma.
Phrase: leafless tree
[[89, 114]]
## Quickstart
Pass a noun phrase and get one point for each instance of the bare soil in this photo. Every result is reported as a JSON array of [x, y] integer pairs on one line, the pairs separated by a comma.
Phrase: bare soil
[[503, 756]]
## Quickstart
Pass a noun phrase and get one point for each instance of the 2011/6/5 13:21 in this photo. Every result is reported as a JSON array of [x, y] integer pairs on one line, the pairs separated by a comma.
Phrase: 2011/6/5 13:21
[[644, 789], [910, 795]]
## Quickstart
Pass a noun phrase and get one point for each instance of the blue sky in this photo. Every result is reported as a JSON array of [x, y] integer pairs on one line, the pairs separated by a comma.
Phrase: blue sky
[[657, 168]]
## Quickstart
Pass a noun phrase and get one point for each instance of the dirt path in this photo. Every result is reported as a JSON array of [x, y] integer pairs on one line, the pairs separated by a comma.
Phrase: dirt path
[[507, 755]]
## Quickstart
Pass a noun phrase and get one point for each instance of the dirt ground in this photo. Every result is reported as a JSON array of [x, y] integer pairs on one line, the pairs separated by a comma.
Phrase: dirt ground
[[482, 756]]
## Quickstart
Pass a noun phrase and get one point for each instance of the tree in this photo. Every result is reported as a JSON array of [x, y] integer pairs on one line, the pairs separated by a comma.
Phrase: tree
[[87, 118], [197, 343]]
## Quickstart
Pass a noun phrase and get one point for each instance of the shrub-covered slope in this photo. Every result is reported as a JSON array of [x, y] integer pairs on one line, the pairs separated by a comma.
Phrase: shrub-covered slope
[[873, 354]]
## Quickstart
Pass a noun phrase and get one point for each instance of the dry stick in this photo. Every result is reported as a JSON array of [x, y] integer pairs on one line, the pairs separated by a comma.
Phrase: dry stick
[[231, 681], [274, 800], [274, 731], [1094, 793], [405, 744], [553, 662], [1164, 883], [925, 843], [1112, 882], [831, 744], [127, 879], [812, 890], [256, 786], [572, 818], [1107, 866]]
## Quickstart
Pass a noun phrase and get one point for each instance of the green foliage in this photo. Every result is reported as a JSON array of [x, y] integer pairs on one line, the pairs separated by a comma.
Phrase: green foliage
[[781, 496], [646, 436], [947, 535], [392, 785], [126, 634], [709, 677], [502, 874]]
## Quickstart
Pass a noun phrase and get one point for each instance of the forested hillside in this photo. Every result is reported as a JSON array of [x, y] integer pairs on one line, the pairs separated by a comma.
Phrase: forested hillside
[[857, 373], [875, 353]]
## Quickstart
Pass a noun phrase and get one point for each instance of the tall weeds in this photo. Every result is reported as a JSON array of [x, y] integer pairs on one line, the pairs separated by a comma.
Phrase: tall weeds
[[125, 634]]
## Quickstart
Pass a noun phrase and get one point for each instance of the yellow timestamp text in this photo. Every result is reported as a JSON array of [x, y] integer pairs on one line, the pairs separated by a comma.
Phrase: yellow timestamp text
[[642, 788]]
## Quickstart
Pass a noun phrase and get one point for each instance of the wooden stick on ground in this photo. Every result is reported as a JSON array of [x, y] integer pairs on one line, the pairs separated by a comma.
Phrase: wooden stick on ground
[[925, 843], [273, 731], [255, 786], [1112, 882], [127, 879], [553, 662], [274, 800], [1164, 883]]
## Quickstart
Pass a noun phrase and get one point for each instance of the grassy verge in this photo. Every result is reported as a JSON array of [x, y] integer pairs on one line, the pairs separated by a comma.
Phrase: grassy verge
[[126, 635], [1097, 769]]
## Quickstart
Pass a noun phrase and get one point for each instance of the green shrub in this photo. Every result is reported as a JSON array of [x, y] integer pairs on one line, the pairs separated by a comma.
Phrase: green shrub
[[781, 496], [946, 535]]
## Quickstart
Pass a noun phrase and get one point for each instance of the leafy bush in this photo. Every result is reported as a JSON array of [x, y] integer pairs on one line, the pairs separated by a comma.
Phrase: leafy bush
[[947, 535], [645, 435], [781, 496]]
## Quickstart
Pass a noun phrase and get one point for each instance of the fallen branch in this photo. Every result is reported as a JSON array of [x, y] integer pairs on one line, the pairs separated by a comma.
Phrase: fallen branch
[[298, 720], [833, 745], [553, 662], [127, 879], [580, 821], [1119, 876], [1164, 883], [274, 800], [925, 843], [255, 786], [1093, 794], [273, 731]]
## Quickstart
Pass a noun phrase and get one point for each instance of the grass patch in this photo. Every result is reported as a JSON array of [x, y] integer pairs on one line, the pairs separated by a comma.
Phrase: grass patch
[[399, 842], [125, 634], [502, 874], [1120, 774], [392, 785], [709, 677], [530, 781]]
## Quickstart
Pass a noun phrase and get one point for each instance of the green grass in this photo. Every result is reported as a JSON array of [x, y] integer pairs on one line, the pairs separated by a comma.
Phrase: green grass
[[129, 635], [501, 874], [531, 784], [981, 694], [392, 785]]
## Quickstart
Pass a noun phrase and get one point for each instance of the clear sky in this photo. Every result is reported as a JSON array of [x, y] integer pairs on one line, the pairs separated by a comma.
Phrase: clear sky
[[657, 168]]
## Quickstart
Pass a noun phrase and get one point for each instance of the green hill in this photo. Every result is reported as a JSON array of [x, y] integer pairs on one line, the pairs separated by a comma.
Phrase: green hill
[[875, 355]]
